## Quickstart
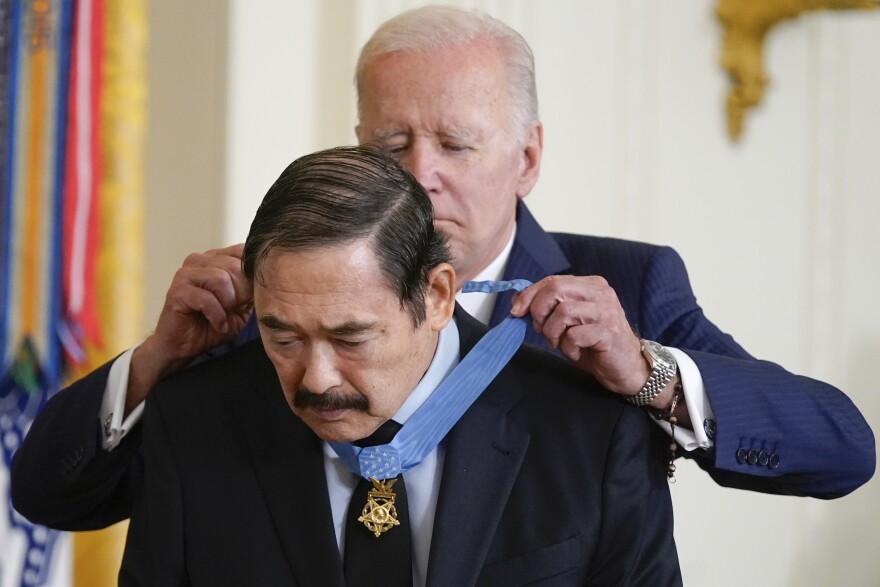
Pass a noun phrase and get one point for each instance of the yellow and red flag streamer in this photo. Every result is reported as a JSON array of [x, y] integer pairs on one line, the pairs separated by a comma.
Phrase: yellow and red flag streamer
[[72, 122]]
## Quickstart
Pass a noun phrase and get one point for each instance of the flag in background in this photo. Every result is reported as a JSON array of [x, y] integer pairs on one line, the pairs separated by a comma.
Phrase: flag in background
[[72, 91]]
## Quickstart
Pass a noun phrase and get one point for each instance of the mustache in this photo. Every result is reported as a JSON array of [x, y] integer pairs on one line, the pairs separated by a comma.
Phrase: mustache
[[330, 400]]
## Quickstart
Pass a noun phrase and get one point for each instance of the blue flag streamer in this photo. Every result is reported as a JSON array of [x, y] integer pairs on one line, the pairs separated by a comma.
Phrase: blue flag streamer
[[34, 71]]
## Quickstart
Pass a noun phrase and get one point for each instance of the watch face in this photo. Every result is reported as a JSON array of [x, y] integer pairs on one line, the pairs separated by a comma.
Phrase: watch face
[[660, 353]]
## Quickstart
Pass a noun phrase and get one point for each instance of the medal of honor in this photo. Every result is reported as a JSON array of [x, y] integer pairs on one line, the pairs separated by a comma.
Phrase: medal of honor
[[380, 515]]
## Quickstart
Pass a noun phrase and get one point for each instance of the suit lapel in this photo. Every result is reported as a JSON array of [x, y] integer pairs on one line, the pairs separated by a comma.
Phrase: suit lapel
[[289, 465], [534, 256], [484, 445]]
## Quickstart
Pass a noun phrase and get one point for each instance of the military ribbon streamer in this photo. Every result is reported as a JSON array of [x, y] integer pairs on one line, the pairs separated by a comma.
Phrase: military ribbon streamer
[[53, 81]]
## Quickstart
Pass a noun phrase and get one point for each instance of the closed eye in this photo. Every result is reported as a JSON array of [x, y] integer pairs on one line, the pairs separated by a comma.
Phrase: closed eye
[[454, 148], [350, 344], [395, 150]]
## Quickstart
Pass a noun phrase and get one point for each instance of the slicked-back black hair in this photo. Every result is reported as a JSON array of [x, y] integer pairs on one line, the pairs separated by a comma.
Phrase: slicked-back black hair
[[346, 194]]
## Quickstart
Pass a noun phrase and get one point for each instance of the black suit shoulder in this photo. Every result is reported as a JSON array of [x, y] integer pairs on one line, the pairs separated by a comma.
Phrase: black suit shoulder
[[552, 398], [232, 373], [204, 407], [536, 382], [553, 379]]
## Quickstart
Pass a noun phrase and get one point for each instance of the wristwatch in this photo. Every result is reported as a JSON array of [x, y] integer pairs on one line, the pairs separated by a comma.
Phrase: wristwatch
[[663, 369]]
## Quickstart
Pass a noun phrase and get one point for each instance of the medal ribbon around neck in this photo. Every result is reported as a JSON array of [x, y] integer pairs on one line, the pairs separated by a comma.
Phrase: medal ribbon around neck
[[452, 398]]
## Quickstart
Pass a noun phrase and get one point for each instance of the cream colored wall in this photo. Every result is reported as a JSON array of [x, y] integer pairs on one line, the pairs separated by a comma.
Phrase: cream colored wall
[[186, 134], [778, 231]]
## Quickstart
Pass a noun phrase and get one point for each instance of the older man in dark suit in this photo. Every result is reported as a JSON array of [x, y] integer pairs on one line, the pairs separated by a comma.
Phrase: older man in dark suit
[[250, 475]]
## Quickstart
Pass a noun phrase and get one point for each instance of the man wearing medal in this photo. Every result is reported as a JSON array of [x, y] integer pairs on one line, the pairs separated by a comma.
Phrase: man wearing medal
[[515, 466]]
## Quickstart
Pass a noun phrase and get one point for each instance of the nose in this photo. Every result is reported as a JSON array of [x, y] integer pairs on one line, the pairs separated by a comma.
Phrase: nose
[[320, 370], [422, 161]]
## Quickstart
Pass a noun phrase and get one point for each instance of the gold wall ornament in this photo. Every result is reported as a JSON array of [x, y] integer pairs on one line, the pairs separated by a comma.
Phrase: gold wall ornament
[[746, 24]]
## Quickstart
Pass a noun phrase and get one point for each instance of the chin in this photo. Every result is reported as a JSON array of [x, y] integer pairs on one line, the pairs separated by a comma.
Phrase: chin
[[339, 431], [332, 433], [447, 226]]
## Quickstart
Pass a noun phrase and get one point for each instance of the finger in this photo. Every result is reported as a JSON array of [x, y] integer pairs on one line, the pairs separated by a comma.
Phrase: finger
[[543, 296], [523, 300], [212, 293], [580, 338], [224, 277], [225, 257], [545, 303], [244, 291], [564, 316], [235, 251], [233, 288], [212, 279], [187, 299]]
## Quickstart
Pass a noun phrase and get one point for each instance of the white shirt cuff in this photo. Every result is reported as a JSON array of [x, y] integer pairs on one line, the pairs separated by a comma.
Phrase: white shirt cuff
[[113, 427], [702, 416]]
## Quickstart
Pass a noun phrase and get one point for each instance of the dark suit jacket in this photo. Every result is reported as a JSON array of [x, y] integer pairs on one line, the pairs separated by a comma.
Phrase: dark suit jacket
[[62, 478], [823, 447], [547, 480]]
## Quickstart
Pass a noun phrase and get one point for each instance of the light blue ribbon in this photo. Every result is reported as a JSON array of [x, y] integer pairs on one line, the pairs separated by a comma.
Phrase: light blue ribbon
[[452, 398]]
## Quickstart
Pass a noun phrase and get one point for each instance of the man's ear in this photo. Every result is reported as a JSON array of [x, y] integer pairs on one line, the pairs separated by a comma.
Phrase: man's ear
[[440, 296], [531, 160]]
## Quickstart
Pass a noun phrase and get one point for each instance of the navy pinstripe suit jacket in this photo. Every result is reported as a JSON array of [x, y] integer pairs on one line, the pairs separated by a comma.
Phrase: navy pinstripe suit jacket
[[820, 443]]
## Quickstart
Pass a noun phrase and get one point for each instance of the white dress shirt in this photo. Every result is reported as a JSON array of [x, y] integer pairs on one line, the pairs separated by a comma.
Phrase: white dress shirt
[[422, 481]]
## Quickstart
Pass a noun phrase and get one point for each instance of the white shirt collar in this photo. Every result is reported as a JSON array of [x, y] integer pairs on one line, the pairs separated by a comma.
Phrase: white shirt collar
[[479, 305], [445, 359]]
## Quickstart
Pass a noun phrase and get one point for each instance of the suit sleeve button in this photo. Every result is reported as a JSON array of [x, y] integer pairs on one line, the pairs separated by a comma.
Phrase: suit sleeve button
[[753, 457], [763, 458], [773, 461], [742, 456]]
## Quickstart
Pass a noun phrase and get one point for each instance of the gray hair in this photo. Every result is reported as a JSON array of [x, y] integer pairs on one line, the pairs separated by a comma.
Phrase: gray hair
[[431, 28]]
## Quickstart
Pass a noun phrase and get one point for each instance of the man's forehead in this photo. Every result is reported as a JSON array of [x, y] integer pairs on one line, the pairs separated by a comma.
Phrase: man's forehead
[[458, 108], [327, 324], [326, 271], [338, 287], [281, 261]]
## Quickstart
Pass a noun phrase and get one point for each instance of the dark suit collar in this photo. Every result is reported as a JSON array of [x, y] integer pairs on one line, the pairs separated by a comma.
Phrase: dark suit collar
[[470, 330], [534, 256], [535, 252], [289, 462], [484, 452]]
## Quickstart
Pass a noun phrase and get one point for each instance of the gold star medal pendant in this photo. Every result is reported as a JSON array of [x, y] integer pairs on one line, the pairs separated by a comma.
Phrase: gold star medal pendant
[[380, 515]]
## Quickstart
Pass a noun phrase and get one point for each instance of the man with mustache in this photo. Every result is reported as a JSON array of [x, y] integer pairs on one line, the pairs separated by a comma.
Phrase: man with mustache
[[452, 95], [354, 296]]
